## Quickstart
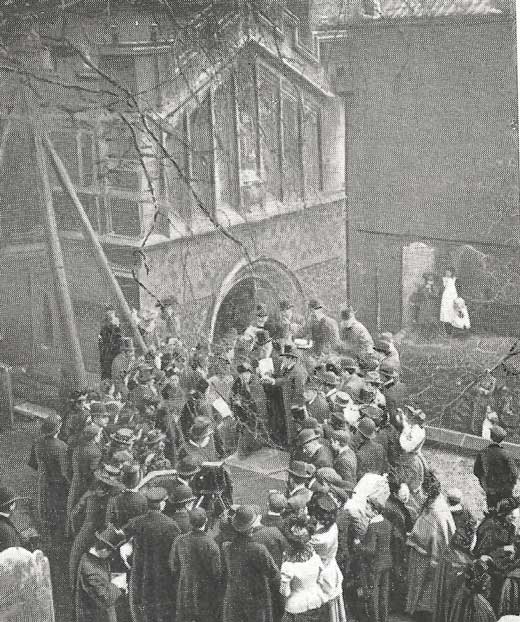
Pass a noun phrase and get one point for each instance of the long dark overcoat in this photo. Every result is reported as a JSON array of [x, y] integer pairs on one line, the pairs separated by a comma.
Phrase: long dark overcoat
[[85, 460], [124, 506], [87, 517], [250, 571], [53, 485], [292, 383], [95, 596], [152, 586], [196, 564]]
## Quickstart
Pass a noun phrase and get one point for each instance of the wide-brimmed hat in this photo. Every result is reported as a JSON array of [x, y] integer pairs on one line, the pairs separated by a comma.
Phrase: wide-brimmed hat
[[290, 351], [181, 494], [201, 428], [112, 537], [109, 474], [343, 399], [7, 497], [123, 436], [327, 378], [51, 425], [301, 469], [245, 517], [154, 436], [276, 501], [367, 427], [188, 466], [306, 436]]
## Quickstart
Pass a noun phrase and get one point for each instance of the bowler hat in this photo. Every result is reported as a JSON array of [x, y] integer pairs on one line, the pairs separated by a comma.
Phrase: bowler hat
[[343, 399], [181, 494], [382, 346], [198, 518], [309, 423], [7, 497], [497, 433], [154, 436], [155, 494], [109, 474], [372, 412], [277, 501], [188, 466], [367, 427], [289, 351], [112, 537], [91, 431], [262, 338], [286, 304], [201, 428], [123, 436], [245, 517], [315, 304], [301, 469], [51, 425], [261, 310], [327, 378], [130, 474], [306, 436]]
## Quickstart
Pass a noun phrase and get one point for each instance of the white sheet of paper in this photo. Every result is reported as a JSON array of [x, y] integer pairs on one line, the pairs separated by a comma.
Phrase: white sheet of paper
[[266, 367], [222, 407], [119, 580]]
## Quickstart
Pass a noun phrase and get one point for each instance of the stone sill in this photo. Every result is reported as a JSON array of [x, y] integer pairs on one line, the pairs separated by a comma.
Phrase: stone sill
[[465, 443]]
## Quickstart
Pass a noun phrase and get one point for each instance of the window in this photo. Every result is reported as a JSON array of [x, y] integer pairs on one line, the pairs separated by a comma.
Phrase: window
[[76, 149], [312, 157], [202, 166], [124, 215], [226, 156], [176, 184], [301, 9], [247, 119], [269, 128], [291, 143]]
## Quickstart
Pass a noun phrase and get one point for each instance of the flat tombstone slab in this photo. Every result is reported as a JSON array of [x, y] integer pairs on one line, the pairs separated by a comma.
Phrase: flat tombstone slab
[[25, 587]]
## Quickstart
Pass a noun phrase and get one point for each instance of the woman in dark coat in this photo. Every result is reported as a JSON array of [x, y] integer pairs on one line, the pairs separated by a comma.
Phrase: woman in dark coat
[[195, 563], [471, 604], [249, 571], [53, 484]]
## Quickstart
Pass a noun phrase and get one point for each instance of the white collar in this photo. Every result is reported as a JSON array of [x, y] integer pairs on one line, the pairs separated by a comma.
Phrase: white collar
[[456, 508], [377, 519], [269, 513], [343, 450], [93, 551]]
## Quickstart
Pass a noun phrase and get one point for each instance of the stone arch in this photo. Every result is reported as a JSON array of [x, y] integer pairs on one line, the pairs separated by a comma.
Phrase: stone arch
[[263, 280]]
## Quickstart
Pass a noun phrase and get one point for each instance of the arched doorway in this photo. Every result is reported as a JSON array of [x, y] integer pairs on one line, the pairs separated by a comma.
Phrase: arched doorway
[[264, 281]]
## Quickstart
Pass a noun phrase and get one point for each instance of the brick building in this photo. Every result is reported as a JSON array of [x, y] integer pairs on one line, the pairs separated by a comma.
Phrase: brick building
[[432, 173], [209, 158]]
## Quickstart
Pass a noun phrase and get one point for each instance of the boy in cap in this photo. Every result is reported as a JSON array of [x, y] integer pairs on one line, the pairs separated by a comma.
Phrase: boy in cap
[[313, 450], [129, 503], [196, 562], [300, 478], [96, 595]]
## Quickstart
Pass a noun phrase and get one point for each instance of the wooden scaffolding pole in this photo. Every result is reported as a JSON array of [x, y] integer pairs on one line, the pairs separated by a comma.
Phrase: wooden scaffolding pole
[[99, 253], [79, 376]]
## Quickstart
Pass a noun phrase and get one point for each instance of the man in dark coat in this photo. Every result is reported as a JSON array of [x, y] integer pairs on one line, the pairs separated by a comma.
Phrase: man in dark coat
[[152, 586], [9, 535], [300, 477], [356, 339], [370, 455], [197, 405], [345, 463], [495, 469], [129, 503], [196, 565], [324, 330], [95, 594], [180, 499], [250, 571], [53, 475], [85, 461], [109, 342], [291, 379], [276, 503]]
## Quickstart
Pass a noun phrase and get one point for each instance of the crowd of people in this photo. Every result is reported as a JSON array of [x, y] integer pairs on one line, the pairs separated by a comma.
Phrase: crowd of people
[[362, 528]]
